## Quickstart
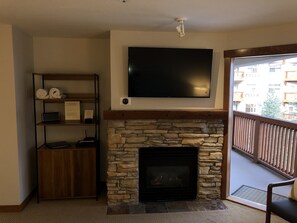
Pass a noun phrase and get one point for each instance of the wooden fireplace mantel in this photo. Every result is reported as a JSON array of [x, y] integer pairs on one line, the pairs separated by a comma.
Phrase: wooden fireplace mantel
[[165, 114]]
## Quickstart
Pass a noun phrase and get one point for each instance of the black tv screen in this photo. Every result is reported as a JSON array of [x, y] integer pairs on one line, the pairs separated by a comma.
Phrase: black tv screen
[[169, 72]]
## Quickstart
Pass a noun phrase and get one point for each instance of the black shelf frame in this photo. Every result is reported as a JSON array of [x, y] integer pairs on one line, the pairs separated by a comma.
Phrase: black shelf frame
[[86, 98]]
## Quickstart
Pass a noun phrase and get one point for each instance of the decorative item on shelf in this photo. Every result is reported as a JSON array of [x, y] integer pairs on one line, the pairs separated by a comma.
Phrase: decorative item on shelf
[[55, 93], [57, 145], [72, 110], [89, 116], [41, 94], [50, 117]]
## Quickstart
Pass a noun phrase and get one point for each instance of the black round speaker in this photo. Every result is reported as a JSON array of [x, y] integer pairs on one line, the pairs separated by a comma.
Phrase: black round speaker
[[125, 101]]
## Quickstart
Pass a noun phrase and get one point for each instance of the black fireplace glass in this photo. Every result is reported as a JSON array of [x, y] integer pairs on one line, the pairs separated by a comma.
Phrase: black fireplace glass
[[167, 176], [168, 173]]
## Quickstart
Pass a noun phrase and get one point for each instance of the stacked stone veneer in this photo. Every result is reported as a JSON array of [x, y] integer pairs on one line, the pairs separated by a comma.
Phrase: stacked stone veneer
[[125, 137]]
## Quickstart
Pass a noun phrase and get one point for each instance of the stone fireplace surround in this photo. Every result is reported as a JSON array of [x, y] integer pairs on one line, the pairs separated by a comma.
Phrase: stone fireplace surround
[[130, 130]]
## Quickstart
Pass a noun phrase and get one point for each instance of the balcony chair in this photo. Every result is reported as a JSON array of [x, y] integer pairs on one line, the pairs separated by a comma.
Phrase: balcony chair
[[286, 209]]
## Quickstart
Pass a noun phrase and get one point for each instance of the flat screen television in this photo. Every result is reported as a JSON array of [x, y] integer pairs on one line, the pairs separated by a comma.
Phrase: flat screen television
[[169, 72]]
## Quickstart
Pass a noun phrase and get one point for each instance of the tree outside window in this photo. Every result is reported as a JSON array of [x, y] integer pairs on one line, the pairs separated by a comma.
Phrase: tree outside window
[[272, 105]]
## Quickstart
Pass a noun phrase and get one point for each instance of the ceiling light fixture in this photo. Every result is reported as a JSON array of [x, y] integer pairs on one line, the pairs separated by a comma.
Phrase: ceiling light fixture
[[181, 28]]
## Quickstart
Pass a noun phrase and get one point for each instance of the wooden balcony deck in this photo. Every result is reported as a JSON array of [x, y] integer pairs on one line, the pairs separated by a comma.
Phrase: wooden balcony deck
[[246, 172]]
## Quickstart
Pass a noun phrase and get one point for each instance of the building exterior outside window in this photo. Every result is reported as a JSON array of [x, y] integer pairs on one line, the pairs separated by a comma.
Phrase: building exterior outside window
[[250, 108], [260, 82]]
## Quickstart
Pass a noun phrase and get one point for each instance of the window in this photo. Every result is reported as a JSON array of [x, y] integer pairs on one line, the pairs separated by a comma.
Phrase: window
[[251, 95], [274, 88], [250, 108], [252, 75], [268, 80], [253, 69], [251, 91], [274, 67]]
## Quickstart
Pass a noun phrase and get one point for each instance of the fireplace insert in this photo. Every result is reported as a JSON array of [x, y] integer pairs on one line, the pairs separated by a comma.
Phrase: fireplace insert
[[168, 173]]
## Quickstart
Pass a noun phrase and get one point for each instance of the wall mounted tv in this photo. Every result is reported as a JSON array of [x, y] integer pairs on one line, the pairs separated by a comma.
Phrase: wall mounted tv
[[169, 72]]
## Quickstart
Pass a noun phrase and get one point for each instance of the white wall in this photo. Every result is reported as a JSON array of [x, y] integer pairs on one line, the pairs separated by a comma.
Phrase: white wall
[[121, 40], [23, 68], [260, 37], [68, 55], [11, 186]]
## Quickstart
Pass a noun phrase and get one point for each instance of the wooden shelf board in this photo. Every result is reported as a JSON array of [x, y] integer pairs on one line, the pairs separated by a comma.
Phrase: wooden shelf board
[[52, 76], [165, 114], [71, 97], [72, 147], [65, 123], [62, 100]]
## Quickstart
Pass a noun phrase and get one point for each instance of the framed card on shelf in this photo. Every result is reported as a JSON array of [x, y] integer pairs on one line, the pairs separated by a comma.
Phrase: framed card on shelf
[[72, 110]]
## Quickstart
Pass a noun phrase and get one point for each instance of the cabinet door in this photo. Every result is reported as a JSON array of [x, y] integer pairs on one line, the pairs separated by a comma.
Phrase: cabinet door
[[65, 173]]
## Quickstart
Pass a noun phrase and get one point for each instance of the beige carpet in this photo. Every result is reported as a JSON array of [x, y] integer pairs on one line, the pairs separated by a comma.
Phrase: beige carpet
[[92, 211]]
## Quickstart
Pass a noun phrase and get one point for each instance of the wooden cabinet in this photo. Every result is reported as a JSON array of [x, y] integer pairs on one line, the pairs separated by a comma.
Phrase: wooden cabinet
[[71, 171], [66, 173]]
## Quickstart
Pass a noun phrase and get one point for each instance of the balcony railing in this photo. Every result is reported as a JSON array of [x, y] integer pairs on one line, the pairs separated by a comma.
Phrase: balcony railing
[[239, 76], [290, 97], [238, 96], [272, 142], [291, 76]]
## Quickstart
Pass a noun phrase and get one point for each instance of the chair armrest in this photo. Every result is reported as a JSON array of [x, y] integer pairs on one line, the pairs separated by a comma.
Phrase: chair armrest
[[282, 183], [277, 184]]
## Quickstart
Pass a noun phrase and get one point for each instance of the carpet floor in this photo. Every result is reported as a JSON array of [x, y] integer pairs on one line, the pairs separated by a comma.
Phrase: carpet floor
[[92, 211], [255, 195]]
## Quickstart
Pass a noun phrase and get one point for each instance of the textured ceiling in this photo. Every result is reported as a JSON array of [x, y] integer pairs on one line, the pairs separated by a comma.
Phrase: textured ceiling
[[92, 18]]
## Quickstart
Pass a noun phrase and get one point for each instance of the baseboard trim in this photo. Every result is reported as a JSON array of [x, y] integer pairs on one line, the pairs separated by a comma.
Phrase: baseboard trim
[[17, 208]]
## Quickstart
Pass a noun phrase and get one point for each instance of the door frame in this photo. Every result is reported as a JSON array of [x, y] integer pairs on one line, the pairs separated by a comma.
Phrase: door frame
[[229, 56]]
